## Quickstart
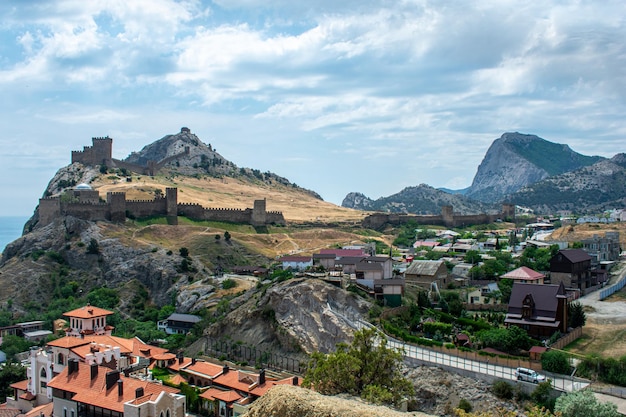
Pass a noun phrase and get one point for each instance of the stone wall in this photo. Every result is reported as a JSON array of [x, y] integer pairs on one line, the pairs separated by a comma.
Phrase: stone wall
[[447, 218], [117, 208]]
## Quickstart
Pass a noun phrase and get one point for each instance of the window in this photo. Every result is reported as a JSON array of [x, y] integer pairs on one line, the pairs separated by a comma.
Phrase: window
[[64, 412], [60, 359]]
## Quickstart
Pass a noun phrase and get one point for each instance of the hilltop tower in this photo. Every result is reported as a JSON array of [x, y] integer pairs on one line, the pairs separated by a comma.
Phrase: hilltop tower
[[259, 213], [171, 205]]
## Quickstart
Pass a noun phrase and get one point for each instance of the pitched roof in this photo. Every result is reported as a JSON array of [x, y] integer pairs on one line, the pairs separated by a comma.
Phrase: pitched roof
[[545, 297], [188, 318], [228, 396], [367, 266], [575, 255], [420, 267], [95, 392], [88, 312], [295, 259], [344, 252], [524, 273], [207, 369]]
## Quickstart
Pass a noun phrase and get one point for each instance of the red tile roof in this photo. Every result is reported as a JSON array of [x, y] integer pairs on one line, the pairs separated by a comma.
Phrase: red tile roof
[[88, 312], [21, 385], [228, 396], [524, 273], [210, 370], [43, 410], [94, 391]]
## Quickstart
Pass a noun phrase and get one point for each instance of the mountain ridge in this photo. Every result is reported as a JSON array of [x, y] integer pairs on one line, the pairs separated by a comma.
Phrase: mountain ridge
[[512, 162]]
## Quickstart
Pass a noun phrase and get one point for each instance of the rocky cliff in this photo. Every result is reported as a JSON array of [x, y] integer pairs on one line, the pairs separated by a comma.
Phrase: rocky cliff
[[591, 189], [516, 160], [298, 315]]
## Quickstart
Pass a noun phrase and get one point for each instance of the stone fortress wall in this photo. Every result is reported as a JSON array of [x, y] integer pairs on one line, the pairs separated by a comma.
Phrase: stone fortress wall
[[447, 218], [85, 203]]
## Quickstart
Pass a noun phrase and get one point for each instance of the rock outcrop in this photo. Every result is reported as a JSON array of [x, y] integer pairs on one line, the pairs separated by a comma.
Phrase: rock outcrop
[[516, 160], [290, 401], [296, 315]]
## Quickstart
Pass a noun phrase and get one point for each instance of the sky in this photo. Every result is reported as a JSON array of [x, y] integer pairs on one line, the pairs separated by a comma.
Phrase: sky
[[336, 96]]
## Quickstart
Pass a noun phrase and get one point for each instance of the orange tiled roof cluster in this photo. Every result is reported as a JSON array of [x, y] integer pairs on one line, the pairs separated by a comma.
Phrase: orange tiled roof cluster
[[83, 347], [231, 385], [94, 391]]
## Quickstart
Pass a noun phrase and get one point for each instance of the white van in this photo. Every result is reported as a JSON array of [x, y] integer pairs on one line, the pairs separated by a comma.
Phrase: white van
[[528, 375]]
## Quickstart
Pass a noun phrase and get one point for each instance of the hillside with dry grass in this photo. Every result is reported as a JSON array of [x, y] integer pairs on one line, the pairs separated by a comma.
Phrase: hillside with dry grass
[[297, 205]]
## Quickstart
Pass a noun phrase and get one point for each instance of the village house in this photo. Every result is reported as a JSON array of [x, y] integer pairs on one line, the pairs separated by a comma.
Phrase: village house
[[525, 275], [423, 273], [602, 249], [540, 309], [296, 263], [324, 260], [178, 323], [88, 320], [572, 267], [486, 295]]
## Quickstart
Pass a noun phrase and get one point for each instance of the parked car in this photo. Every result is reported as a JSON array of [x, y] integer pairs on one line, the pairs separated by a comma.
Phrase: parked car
[[528, 375]]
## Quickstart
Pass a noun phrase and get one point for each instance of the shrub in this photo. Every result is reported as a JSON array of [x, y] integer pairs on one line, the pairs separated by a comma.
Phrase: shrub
[[229, 283], [502, 390], [465, 405], [555, 361]]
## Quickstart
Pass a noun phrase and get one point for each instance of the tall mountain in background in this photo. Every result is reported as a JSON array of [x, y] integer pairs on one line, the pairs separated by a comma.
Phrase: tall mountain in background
[[516, 160], [591, 189], [422, 199], [564, 180]]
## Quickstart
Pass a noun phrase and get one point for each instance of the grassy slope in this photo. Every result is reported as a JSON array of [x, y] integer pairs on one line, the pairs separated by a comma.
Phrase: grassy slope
[[299, 208]]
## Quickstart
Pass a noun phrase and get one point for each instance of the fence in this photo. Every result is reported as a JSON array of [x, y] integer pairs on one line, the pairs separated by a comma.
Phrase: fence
[[613, 288], [252, 356], [610, 390], [470, 363], [568, 338]]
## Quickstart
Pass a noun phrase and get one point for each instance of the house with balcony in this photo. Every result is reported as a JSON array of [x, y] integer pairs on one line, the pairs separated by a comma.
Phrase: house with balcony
[[540, 309], [178, 323], [88, 320]]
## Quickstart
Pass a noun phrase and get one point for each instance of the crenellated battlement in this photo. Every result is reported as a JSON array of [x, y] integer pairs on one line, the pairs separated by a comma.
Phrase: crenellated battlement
[[117, 208]]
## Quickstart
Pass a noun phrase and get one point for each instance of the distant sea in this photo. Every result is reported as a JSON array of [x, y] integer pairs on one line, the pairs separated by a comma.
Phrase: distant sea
[[10, 229]]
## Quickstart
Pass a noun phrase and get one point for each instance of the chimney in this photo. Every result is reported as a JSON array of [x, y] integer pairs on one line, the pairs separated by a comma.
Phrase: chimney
[[225, 370], [120, 388], [94, 370], [262, 377], [294, 381], [139, 392], [72, 366], [193, 361], [111, 378]]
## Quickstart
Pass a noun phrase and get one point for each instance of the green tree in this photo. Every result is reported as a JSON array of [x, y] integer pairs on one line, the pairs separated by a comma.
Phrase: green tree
[[367, 368], [555, 361], [472, 257], [584, 404], [576, 315], [9, 374], [93, 248], [505, 285], [227, 236], [103, 297], [541, 395], [12, 345], [184, 252]]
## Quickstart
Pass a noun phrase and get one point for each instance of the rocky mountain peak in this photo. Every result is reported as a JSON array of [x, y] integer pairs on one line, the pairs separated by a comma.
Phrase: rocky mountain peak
[[185, 152], [516, 160]]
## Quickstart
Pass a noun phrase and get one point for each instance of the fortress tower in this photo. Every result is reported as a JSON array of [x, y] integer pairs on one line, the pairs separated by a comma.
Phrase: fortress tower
[[100, 153], [171, 205], [259, 213]]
